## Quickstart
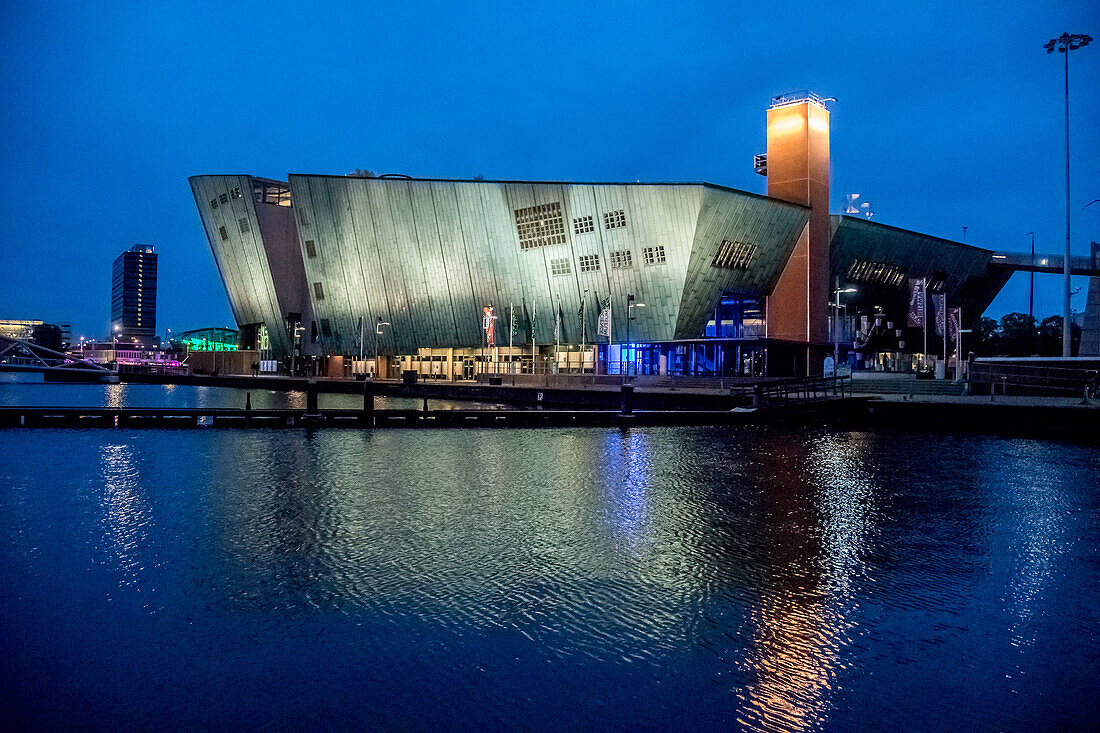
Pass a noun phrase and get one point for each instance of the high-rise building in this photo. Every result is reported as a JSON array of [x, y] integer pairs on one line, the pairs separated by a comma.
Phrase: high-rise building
[[134, 294]]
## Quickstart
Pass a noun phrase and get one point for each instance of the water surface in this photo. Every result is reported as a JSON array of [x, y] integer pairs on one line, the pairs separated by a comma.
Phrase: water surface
[[758, 578]]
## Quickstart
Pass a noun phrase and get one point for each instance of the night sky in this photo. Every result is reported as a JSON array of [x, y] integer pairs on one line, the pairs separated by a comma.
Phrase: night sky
[[948, 115]]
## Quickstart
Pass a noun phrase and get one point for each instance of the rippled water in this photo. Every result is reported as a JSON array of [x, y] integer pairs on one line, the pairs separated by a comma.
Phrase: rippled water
[[768, 579]]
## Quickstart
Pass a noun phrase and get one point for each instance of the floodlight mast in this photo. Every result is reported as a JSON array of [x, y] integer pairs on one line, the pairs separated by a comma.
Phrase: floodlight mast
[[1064, 44]]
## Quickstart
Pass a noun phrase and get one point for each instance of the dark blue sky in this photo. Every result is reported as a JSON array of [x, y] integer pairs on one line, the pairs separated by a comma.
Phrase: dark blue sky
[[948, 115]]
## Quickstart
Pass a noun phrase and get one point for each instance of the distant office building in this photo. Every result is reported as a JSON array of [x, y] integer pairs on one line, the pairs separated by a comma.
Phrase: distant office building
[[22, 330], [134, 294]]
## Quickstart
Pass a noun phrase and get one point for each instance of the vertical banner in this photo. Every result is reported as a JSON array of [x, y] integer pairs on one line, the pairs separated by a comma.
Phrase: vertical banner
[[603, 327], [954, 320], [511, 324], [939, 305], [580, 315], [487, 325], [916, 302]]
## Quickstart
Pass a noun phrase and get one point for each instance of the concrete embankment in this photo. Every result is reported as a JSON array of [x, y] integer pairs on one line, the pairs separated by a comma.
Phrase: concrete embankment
[[1023, 417]]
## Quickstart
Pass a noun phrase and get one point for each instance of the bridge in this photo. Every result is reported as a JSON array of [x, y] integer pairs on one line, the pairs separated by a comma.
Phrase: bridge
[[1046, 263], [24, 356], [1054, 264]]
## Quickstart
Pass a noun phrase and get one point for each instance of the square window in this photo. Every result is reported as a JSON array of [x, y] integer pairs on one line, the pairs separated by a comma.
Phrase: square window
[[560, 267], [590, 263], [235, 193], [621, 259], [225, 234], [224, 198], [539, 226], [614, 219], [311, 248], [654, 255], [213, 203], [318, 291], [243, 224], [326, 327], [583, 225]]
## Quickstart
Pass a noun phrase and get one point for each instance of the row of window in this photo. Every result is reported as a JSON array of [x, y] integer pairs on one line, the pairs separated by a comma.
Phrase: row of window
[[734, 255], [620, 260], [543, 224], [224, 198], [558, 267], [611, 220], [262, 192], [876, 273]]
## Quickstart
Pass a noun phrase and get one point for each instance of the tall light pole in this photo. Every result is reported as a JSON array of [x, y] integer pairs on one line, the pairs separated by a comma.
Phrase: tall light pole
[[1031, 296], [377, 333], [630, 306], [1064, 44]]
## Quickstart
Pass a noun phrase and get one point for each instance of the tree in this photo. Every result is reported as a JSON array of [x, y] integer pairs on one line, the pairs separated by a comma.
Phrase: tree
[[47, 335], [357, 173], [1050, 337], [988, 342], [1017, 334]]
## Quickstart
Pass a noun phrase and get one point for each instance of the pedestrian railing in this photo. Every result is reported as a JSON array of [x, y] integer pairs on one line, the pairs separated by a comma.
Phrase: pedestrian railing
[[998, 378], [794, 391]]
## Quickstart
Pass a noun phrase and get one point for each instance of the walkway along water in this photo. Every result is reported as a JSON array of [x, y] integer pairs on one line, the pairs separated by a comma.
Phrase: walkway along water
[[808, 401]]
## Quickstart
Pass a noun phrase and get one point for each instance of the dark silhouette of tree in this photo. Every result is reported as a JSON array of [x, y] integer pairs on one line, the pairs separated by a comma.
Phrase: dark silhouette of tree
[[1017, 334], [362, 173], [1050, 337], [989, 338]]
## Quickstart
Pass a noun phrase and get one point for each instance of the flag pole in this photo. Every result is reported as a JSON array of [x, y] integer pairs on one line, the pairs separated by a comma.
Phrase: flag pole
[[924, 319], [958, 345], [583, 298], [534, 300], [944, 304], [557, 333], [511, 329]]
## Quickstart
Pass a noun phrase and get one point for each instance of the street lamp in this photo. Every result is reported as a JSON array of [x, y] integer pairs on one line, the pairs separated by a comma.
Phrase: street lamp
[[377, 333], [958, 351], [836, 324], [1064, 44], [630, 306], [296, 331]]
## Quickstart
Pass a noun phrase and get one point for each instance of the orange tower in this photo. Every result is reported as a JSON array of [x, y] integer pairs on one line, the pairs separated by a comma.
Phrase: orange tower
[[798, 171]]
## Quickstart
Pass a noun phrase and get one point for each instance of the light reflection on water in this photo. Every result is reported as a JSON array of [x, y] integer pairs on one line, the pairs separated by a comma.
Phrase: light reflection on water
[[768, 579]]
